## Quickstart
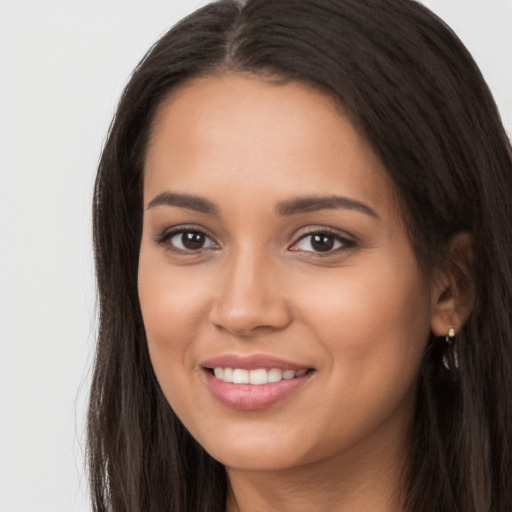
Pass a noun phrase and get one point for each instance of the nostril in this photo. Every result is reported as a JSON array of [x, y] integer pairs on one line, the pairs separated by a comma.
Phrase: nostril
[[246, 321]]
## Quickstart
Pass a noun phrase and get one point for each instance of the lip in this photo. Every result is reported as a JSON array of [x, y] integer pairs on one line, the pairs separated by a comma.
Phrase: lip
[[247, 396], [252, 362]]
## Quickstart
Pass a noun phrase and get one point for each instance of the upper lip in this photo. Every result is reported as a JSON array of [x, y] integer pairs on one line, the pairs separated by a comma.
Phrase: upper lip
[[252, 362]]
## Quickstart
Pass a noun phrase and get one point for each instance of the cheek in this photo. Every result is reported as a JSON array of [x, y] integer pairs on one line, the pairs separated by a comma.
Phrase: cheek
[[380, 296], [173, 304], [373, 322], [373, 328], [173, 311]]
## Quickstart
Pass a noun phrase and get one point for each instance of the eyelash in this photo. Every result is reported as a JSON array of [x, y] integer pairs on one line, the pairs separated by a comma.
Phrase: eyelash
[[344, 243], [166, 238]]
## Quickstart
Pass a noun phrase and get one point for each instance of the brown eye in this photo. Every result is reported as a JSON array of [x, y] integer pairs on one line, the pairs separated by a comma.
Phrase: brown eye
[[189, 240], [322, 242], [192, 240]]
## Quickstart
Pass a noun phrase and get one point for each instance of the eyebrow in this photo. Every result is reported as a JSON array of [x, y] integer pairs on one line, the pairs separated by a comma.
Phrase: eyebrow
[[315, 203], [285, 208], [189, 202]]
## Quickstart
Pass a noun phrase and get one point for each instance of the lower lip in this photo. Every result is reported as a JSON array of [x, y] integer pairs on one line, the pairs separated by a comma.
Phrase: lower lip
[[251, 396]]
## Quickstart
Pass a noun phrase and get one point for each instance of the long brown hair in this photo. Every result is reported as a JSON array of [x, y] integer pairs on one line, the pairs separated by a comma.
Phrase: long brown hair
[[416, 93]]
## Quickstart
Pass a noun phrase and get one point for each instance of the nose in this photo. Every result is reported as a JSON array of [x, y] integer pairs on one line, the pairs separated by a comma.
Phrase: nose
[[250, 298]]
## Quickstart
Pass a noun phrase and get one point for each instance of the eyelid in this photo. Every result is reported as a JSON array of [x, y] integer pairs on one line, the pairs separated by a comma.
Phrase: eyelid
[[170, 232], [347, 241]]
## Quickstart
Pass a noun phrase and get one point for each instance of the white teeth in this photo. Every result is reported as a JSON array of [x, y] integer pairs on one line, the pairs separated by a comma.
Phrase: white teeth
[[228, 375], [275, 375], [256, 377], [240, 376]]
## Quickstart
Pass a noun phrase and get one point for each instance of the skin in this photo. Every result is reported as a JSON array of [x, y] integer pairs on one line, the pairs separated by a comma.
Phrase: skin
[[359, 314]]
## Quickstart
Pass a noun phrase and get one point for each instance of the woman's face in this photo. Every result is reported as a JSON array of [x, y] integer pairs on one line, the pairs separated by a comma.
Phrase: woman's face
[[273, 255]]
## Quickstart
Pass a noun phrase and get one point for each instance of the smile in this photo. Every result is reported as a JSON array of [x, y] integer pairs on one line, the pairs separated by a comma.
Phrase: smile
[[253, 382], [256, 377]]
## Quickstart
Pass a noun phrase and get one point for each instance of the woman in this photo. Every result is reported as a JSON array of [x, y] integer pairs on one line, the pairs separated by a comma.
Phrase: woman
[[302, 228]]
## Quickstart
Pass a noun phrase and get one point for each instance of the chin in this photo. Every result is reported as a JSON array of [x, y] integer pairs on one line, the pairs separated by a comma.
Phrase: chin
[[259, 452]]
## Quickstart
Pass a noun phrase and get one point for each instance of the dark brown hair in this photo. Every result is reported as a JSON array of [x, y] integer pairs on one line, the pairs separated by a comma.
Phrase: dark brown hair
[[414, 90]]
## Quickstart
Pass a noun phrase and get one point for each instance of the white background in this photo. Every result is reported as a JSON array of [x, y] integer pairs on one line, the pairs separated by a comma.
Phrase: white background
[[62, 67]]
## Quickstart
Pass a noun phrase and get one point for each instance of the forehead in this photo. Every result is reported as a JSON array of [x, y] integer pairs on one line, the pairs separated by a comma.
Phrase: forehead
[[240, 131]]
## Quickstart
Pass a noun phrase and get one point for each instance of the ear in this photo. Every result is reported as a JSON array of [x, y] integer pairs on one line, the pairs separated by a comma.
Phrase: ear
[[453, 290]]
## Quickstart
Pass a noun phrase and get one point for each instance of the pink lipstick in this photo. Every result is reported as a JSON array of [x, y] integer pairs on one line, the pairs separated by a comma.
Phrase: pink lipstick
[[253, 382]]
